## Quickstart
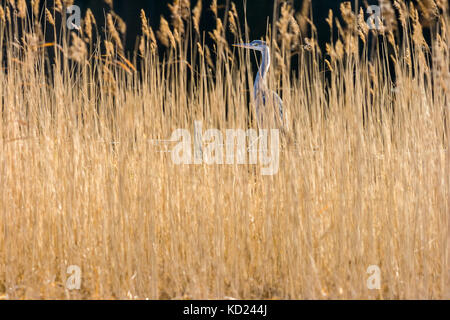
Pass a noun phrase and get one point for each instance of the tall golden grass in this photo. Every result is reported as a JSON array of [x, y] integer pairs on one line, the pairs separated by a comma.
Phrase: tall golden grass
[[363, 180]]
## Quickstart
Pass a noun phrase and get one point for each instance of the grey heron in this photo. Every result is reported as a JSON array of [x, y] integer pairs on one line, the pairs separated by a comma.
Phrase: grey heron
[[263, 96]]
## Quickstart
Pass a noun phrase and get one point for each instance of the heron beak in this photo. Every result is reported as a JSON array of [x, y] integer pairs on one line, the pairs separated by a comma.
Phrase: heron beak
[[242, 45]]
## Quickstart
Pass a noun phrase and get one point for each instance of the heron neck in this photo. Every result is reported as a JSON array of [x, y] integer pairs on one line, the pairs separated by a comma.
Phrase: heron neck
[[260, 81]]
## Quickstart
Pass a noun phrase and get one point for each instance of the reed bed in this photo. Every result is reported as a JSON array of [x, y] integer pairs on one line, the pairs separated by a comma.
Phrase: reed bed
[[86, 180]]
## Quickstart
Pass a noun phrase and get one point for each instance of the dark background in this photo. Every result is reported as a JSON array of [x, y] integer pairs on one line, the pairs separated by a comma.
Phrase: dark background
[[258, 13]]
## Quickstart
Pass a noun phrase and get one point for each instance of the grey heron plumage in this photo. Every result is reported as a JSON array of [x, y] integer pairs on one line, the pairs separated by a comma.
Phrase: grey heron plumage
[[262, 94]]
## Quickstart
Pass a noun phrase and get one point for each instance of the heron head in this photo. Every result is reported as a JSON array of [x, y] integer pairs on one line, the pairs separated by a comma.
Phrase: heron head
[[254, 45]]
